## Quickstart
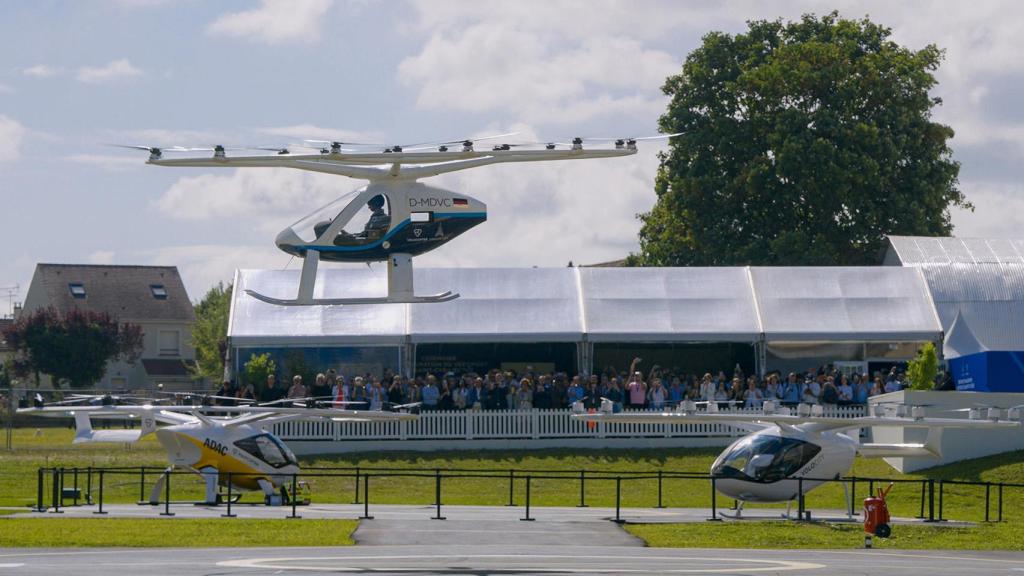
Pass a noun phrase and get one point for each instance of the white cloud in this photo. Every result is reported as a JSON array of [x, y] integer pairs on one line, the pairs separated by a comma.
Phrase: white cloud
[[265, 198], [5, 89], [101, 257], [501, 66], [11, 134], [114, 70], [997, 212], [168, 137], [41, 71], [204, 265], [274, 21], [302, 131]]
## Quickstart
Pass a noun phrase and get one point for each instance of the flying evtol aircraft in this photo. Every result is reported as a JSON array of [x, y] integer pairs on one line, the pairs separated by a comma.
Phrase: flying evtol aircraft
[[394, 217], [214, 441], [783, 447]]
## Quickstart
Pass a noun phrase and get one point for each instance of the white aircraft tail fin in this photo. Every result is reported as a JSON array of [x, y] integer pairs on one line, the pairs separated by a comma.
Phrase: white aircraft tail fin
[[85, 433]]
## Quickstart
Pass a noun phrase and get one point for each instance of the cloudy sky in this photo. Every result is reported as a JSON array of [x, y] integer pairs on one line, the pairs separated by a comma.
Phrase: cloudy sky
[[74, 75]]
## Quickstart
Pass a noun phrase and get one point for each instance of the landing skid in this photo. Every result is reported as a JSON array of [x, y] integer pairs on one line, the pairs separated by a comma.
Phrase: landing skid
[[400, 288], [443, 297]]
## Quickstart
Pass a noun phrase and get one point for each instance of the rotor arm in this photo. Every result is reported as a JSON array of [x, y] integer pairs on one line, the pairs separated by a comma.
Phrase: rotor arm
[[498, 157], [309, 163]]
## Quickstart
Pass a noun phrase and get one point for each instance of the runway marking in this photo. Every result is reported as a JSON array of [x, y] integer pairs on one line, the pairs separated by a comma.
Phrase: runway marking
[[282, 564], [899, 555], [11, 565]]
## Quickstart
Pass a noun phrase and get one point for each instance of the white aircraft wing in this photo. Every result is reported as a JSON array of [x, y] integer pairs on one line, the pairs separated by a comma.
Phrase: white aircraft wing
[[164, 414], [809, 423]]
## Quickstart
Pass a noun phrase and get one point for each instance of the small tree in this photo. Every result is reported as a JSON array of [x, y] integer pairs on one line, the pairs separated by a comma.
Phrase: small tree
[[257, 368], [210, 332], [921, 371], [74, 347]]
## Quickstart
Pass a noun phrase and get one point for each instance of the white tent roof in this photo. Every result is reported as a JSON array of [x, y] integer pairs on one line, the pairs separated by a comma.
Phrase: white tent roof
[[960, 341], [603, 304], [989, 298], [919, 250], [843, 304]]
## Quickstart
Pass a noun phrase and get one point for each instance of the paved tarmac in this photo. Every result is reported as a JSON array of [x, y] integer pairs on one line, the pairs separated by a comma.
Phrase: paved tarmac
[[509, 558], [483, 540]]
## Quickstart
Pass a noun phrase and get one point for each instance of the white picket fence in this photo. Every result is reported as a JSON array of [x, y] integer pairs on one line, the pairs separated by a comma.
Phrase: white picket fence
[[511, 424]]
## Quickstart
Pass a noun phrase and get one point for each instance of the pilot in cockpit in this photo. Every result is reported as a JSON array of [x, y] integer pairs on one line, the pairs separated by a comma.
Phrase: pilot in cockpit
[[379, 219]]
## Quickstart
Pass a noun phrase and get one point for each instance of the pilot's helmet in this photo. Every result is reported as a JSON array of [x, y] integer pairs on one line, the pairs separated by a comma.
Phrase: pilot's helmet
[[376, 202]]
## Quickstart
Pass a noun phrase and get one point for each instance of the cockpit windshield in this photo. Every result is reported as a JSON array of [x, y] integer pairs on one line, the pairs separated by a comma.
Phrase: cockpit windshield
[[367, 222], [764, 458], [267, 448]]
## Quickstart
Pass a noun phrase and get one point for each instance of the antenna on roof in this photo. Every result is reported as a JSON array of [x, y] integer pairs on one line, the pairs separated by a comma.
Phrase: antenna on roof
[[12, 292]]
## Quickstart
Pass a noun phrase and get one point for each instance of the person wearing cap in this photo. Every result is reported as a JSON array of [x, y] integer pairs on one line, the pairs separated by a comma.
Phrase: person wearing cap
[[379, 219]]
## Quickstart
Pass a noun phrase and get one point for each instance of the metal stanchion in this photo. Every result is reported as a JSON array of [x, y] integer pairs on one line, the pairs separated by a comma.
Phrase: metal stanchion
[[74, 493], [88, 485], [988, 498], [714, 502], [229, 514], [659, 491], [511, 487], [56, 492], [142, 483], [1000, 502], [583, 485], [853, 496], [527, 517], [921, 513], [931, 500], [60, 492], [356, 501], [942, 490], [618, 500], [167, 495], [437, 495], [39, 490], [100, 511], [366, 498], [293, 495], [800, 498]]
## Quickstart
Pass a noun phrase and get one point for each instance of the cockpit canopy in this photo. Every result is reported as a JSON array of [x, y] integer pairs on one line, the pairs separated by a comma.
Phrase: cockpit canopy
[[362, 222], [268, 449], [764, 458]]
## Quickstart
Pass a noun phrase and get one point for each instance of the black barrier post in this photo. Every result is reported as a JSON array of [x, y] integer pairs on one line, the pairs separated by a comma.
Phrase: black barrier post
[[229, 514], [714, 503], [871, 488], [167, 495], [511, 487], [1000, 502], [527, 517], [583, 483], [295, 492], [437, 495], [659, 490], [942, 485], [920, 514], [356, 501], [60, 493], [39, 491], [100, 511], [142, 483], [56, 491], [931, 500], [800, 498], [74, 494], [988, 498], [88, 485], [366, 498], [853, 495], [618, 500]]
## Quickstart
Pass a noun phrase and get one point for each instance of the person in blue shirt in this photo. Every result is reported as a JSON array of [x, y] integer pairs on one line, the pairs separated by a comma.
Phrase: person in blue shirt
[[575, 392], [790, 390], [430, 393]]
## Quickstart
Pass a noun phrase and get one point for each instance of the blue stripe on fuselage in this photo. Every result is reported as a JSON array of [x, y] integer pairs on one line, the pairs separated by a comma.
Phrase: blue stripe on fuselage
[[388, 236]]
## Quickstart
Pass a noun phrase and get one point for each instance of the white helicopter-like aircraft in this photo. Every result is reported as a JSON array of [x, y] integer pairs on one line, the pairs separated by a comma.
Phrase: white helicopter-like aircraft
[[394, 217], [783, 447], [214, 441]]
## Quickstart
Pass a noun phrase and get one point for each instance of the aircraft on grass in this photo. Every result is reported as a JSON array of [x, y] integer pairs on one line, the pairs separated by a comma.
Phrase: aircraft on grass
[[214, 441], [782, 446], [394, 217]]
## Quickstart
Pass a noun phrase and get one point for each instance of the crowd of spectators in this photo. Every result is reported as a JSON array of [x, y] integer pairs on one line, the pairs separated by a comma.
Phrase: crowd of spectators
[[632, 389]]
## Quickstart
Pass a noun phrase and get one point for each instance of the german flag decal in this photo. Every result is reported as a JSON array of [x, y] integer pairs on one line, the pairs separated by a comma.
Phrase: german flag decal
[[460, 202]]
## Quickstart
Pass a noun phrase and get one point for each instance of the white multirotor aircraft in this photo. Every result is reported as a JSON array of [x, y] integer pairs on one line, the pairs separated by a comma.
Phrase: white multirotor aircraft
[[394, 217], [784, 446], [213, 441]]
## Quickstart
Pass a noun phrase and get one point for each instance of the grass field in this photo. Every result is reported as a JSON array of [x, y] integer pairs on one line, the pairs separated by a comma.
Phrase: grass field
[[188, 533], [52, 447]]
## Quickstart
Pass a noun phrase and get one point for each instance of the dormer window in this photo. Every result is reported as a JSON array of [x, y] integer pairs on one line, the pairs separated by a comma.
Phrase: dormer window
[[77, 289], [158, 290]]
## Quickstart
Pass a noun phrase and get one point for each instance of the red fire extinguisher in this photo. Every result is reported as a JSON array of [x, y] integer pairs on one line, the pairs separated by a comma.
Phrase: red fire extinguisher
[[876, 514]]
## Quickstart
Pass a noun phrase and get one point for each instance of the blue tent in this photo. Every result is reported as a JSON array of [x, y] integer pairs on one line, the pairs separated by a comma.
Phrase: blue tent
[[976, 368]]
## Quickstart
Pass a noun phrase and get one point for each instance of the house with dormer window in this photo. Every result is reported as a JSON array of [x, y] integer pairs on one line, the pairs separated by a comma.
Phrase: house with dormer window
[[153, 297]]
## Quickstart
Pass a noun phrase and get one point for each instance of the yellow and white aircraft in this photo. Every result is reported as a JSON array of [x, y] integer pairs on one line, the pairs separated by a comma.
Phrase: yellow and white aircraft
[[214, 441], [785, 446]]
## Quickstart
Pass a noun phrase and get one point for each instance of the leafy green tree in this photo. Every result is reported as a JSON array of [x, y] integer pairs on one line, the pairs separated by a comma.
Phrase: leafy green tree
[[804, 143], [73, 347], [922, 370], [210, 332], [257, 368]]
